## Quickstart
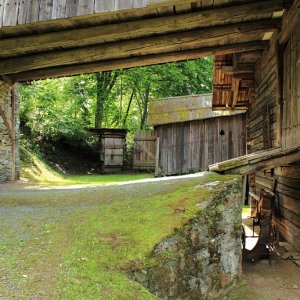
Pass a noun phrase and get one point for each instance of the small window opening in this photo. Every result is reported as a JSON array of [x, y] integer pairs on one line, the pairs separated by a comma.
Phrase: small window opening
[[222, 132]]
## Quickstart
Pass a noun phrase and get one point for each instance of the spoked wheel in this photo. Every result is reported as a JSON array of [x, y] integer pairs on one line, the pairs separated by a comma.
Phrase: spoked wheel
[[274, 236], [243, 237]]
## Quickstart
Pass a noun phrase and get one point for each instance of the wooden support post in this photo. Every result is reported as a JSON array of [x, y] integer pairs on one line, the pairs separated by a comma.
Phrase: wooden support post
[[279, 91], [235, 91], [157, 170]]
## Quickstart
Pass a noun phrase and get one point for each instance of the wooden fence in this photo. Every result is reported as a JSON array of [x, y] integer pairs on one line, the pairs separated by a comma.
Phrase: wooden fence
[[145, 150]]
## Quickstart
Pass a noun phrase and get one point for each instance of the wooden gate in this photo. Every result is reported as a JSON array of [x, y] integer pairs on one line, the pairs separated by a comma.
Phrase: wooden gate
[[145, 150]]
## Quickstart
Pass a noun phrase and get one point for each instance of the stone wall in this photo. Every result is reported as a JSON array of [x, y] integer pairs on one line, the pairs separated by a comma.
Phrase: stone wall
[[8, 172], [202, 260]]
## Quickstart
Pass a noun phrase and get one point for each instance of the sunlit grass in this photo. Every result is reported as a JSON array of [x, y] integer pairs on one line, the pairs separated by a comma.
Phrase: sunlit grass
[[35, 170], [83, 242]]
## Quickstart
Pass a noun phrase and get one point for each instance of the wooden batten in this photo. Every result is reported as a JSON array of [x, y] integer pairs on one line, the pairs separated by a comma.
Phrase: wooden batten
[[264, 160], [133, 29], [132, 62], [212, 36]]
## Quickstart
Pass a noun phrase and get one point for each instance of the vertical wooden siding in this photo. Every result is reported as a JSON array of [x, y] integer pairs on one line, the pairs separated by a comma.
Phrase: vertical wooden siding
[[14, 12], [192, 146]]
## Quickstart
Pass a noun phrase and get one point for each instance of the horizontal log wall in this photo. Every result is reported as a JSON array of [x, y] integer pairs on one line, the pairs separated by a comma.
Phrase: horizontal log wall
[[291, 95], [262, 117], [192, 146], [263, 133], [287, 202]]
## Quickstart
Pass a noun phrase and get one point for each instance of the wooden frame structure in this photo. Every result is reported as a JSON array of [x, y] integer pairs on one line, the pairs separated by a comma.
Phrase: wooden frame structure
[[90, 36], [191, 136]]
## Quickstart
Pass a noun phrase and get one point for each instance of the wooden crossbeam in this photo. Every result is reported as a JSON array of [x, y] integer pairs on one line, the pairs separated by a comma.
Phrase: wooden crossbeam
[[134, 29], [265, 160], [158, 44], [240, 69], [134, 61], [7, 124], [290, 20]]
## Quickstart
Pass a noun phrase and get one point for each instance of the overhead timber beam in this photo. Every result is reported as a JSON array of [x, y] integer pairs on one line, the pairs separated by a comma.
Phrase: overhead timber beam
[[131, 62], [173, 42], [135, 29], [290, 20]]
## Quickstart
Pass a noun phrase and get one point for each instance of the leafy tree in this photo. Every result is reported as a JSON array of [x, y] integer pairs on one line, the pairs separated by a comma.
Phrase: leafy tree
[[62, 108]]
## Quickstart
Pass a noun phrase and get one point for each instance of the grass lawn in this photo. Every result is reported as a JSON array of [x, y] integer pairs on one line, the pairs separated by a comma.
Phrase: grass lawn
[[36, 171], [78, 244]]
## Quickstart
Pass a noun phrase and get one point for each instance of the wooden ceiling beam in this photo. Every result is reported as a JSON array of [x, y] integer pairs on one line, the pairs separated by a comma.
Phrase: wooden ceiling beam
[[132, 62], [159, 44], [290, 19], [240, 69], [134, 29]]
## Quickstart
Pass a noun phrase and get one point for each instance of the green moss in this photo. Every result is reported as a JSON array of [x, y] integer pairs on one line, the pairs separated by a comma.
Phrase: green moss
[[86, 254]]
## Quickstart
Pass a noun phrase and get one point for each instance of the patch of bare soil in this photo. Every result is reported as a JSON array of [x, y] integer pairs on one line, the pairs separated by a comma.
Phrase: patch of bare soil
[[277, 279]]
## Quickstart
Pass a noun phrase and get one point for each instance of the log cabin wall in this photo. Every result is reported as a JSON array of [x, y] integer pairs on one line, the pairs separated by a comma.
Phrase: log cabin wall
[[291, 92], [264, 129], [192, 146], [262, 117]]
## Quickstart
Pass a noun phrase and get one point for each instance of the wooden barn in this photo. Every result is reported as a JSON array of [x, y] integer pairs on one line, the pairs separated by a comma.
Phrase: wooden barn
[[190, 136], [112, 148], [267, 84]]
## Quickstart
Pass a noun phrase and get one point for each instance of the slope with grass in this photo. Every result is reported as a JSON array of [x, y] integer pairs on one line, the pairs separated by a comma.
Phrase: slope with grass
[[78, 244], [35, 170]]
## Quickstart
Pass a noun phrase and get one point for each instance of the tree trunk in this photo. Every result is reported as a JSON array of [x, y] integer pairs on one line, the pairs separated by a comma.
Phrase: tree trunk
[[145, 107], [128, 108], [105, 83]]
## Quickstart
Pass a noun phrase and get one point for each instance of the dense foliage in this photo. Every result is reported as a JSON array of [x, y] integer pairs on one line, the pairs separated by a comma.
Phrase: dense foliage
[[63, 108]]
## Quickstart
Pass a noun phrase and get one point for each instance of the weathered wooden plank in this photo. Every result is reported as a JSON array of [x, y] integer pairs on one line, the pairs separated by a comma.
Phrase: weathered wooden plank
[[289, 231], [10, 12], [22, 11], [144, 46], [259, 161], [33, 11], [59, 9], [133, 62], [290, 21], [235, 89], [71, 8], [1, 12], [85, 7], [45, 11], [104, 5], [289, 203], [288, 171], [113, 32]]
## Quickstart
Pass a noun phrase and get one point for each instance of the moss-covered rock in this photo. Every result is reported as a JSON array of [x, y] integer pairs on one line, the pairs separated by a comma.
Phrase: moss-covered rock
[[203, 258]]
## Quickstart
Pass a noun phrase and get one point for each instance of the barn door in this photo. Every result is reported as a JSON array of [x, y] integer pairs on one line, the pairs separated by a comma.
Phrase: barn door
[[145, 150]]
